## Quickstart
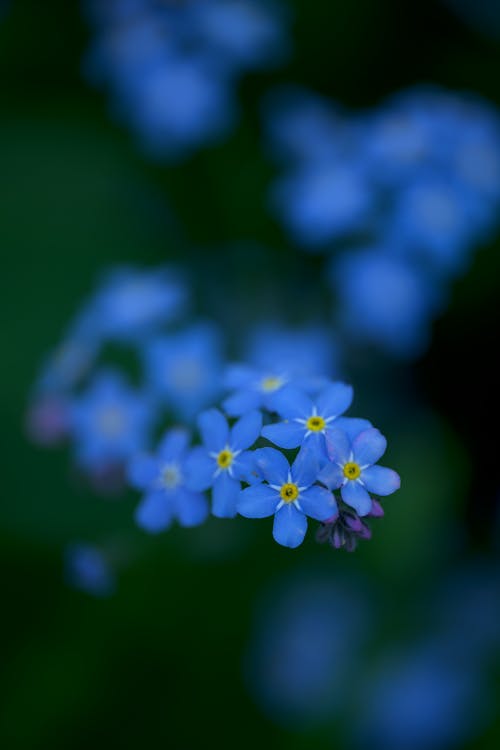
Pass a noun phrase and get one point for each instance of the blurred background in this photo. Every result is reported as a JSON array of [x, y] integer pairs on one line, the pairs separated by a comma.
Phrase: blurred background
[[216, 634]]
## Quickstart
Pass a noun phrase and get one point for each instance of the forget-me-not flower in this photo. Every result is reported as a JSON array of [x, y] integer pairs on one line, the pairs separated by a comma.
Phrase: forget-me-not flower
[[162, 478], [352, 468], [223, 462], [289, 493]]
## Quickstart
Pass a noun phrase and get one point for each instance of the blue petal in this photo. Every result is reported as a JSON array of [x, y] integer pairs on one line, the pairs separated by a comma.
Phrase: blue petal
[[174, 444], [142, 471], [191, 508], [318, 503], [291, 402], [214, 429], [273, 465], [155, 512], [239, 376], [285, 434], [225, 495], [245, 468], [199, 470], [258, 501], [246, 431], [380, 480], [338, 446], [334, 400], [290, 526], [368, 447], [352, 426], [332, 476], [305, 468], [241, 402], [355, 495]]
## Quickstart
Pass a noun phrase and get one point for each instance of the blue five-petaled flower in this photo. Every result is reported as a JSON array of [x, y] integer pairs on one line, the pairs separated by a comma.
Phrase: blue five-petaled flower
[[162, 478], [223, 461], [352, 468], [289, 493]]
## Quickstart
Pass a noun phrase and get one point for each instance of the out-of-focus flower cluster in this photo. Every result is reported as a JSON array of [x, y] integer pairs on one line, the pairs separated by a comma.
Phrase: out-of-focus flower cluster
[[163, 375], [401, 196], [172, 67]]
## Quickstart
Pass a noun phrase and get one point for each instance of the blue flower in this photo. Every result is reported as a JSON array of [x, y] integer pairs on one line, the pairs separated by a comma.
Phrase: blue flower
[[288, 493], [352, 468], [162, 478], [131, 303], [306, 418], [87, 569], [253, 389], [110, 422], [384, 300], [185, 369], [223, 461], [307, 355]]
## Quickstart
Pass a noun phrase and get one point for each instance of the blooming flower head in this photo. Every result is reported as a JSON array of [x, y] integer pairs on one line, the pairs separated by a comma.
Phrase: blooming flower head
[[289, 493], [305, 417], [110, 422], [223, 461], [162, 479], [352, 468], [252, 389], [184, 369]]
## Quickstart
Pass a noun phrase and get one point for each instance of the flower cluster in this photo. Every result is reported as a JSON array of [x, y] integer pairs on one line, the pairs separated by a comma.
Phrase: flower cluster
[[172, 68], [403, 195], [315, 453]]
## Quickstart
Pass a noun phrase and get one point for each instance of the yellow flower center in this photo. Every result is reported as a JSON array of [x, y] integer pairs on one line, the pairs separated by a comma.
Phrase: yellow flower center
[[352, 470], [315, 424], [272, 383], [225, 459], [289, 492]]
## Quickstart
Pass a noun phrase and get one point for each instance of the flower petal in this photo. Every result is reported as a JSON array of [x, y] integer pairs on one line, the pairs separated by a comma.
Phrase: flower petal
[[273, 465], [368, 447], [174, 444], [191, 508], [354, 494], [225, 495], [290, 526], [380, 480], [245, 468], [199, 469], [291, 402], [258, 501], [241, 402], [334, 400], [285, 434], [310, 458], [246, 431], [239, 376], [214, 429], [338, 446], [352, 426], [332, 476], [318, 503], [155, 512], [142, 471]]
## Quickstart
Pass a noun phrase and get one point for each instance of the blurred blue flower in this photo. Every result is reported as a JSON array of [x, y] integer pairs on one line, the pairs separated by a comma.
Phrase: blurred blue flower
[[110, 422], [223, 462], [172, 67], [131, 303], [385, 299], [421, 698], [87, 569], [162, 478], [352, 468], [185, 368], [288, 493], [307, 419], [252, 389], [308, 353]]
